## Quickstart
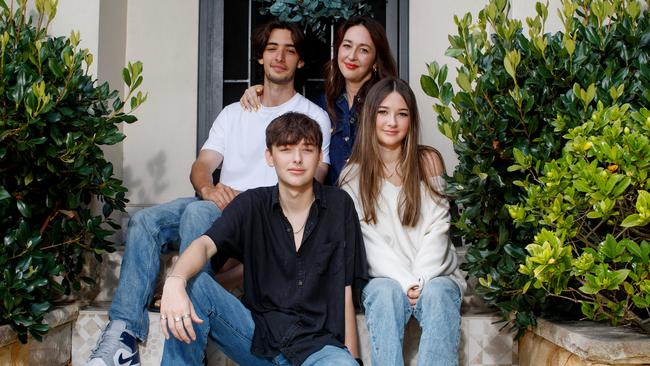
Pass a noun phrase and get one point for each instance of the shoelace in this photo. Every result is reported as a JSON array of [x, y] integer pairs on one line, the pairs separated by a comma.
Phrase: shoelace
[[111, 344]]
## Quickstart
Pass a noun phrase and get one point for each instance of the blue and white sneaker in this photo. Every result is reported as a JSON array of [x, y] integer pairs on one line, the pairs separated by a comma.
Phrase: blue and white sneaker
[[116, 347]]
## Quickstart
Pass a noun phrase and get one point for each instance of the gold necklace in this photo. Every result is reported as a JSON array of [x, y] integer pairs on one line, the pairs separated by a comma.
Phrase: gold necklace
[[302, 227], [391, 174]]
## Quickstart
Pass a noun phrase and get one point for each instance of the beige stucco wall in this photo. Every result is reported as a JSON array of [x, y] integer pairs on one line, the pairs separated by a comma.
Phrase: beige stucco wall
[[111, 53], [430, 22], [429, 25], [155, 158], [160, 147]]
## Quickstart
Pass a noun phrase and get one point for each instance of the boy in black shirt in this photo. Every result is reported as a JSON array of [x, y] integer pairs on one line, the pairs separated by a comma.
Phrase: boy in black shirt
[[302, 250]]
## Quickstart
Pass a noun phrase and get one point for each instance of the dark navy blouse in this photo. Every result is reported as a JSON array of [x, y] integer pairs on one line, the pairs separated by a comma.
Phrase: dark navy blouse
[[344, 132]]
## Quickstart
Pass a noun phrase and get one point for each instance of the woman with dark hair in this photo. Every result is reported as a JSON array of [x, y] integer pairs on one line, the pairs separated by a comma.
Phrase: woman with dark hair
[[397, 189], [361, 58]]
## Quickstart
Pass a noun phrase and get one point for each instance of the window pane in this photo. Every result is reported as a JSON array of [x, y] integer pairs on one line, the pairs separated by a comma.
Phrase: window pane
[[378, 10], [232, 92], [316, 53], [313, 89], [235, 40]]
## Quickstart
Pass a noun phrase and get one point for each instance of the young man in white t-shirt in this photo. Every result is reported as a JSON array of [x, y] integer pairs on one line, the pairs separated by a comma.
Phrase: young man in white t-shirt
[[237, 144]]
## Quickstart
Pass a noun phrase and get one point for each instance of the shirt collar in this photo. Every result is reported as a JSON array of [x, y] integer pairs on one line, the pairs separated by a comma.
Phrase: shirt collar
[[318, 195], [342, 103], [342, 98]]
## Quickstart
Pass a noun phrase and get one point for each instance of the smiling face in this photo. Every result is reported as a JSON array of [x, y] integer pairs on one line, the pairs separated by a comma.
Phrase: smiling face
[[392, 121], [280, 58], [356, 54], [294, 164]]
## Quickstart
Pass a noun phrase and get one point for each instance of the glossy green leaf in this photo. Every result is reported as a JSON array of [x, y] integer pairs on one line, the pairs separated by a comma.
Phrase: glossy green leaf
[[588, 289], [126, 76], [24, 209], [429, 86], [4, 194], [633, 220]]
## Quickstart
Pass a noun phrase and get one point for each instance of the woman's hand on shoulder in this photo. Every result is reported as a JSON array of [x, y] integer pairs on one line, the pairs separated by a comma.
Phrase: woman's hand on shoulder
[[250, 101], [431, 161]]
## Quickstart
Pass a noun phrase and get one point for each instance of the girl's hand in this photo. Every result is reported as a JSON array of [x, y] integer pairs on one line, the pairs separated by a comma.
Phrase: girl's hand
[[250, 101], [177, 312], [413, 294]]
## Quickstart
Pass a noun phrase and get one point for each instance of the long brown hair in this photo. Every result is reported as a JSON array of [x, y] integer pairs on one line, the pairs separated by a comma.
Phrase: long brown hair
[[367, 158], [386, 66]]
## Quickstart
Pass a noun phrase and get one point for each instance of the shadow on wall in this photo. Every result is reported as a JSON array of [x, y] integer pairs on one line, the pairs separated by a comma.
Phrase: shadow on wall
[[145, 191]]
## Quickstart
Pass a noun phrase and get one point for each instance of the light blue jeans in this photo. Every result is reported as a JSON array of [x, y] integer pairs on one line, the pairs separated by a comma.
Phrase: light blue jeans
[[437, 310], [149, 233], [230, 325]]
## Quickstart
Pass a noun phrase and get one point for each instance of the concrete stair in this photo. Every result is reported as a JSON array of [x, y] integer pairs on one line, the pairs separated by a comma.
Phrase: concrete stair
[[482, 343]]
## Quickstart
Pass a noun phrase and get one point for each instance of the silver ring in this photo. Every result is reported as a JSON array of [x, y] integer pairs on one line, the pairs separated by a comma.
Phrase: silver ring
[[162, 317], [177, 319], [186, 316]]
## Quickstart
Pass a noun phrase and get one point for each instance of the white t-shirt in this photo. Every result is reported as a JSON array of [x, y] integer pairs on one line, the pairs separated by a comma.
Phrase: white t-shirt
[[240, 136]]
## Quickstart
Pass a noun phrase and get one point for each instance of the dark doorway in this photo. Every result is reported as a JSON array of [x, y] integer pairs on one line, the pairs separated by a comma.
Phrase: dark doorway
[[226, 67]]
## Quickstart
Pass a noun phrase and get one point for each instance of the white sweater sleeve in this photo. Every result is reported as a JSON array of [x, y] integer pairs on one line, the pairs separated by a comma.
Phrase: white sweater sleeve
[[436, 255]]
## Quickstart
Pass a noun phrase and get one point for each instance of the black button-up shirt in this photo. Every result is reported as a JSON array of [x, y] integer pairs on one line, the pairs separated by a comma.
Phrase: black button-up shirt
[[296, 298]]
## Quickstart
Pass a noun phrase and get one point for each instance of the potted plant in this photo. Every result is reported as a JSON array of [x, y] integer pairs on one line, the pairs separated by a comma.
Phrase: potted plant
[[519, 91], [54, 117]]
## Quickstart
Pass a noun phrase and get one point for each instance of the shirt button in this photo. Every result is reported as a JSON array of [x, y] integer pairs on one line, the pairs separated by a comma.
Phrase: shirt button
[[346, 138], [288, 230], [299, 282]]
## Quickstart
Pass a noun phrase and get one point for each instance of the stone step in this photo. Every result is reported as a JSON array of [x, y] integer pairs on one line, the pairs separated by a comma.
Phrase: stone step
[[482, 343]]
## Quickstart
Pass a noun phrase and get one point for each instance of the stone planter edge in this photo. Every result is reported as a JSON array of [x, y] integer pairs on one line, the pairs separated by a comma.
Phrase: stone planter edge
[[58, 316], [597, 342]]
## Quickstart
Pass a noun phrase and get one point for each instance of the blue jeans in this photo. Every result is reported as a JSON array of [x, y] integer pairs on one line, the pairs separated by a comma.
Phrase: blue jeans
[[437, 310], [149, 233], [230, 325]]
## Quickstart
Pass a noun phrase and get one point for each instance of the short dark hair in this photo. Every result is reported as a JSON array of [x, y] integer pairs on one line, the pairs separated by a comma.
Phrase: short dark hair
[[291, 128], [262, 33]]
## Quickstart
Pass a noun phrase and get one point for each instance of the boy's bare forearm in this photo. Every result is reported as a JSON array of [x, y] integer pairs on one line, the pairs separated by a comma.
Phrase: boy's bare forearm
[[194, 258]]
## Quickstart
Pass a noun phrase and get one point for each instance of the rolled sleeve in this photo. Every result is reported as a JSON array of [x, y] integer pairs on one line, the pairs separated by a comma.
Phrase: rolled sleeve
[[225, 232], [326, 128], [356, 265]]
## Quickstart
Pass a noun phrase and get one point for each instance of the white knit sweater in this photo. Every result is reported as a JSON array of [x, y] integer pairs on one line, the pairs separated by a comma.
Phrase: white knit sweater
[[409, 255]]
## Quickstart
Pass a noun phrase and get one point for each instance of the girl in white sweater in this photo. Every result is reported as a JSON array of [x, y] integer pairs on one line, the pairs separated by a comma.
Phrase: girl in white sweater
[[397, 189]]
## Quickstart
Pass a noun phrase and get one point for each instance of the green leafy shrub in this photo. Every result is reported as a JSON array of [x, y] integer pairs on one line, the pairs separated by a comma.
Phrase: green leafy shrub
[[53, 119], [314, 15], [512, 83], [591, 208]]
